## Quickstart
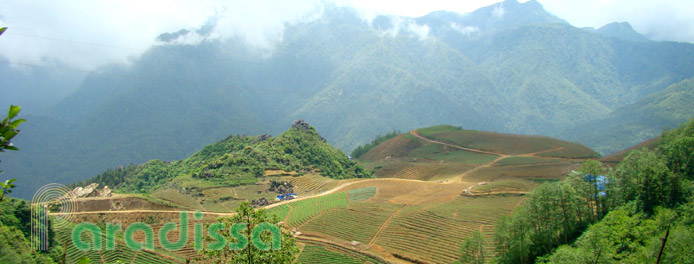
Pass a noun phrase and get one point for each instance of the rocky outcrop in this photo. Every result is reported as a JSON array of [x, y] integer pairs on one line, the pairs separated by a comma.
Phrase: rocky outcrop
[[281, 187], [91, 190]]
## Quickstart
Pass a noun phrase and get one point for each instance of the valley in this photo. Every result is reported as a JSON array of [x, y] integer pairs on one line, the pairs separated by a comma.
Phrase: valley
[[431, 188]]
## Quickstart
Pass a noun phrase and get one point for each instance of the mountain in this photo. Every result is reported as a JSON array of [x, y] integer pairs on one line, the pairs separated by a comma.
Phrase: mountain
[[621, 30], [510, 67], [639, 121], [237, 160]]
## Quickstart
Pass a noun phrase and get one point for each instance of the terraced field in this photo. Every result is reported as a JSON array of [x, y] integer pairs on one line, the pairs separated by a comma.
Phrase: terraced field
[[120, 253], [359, 222], [433, 233], [311, 184], [317, 253], [303, 210], [432, 191]]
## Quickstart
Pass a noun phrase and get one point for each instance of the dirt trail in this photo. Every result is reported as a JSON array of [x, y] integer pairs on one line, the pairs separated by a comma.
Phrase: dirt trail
[[383, 226], [337, 188], [140, 211], [416, 134]]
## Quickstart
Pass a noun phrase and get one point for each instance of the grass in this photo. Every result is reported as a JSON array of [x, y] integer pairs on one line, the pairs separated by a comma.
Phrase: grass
[[361, 194], [173, 196]]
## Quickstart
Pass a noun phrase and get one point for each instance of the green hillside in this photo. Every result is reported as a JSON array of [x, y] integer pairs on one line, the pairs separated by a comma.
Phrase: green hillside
[[237, 160], [528, 73], [640, 121]]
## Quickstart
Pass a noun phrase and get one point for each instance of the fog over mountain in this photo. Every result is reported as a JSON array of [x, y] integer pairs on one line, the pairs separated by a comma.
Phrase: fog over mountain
[[508, 67]]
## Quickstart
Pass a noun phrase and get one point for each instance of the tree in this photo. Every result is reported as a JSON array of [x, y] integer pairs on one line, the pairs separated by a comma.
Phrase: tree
[[644, 177], [8, 130], [472, 250], [249, 253]]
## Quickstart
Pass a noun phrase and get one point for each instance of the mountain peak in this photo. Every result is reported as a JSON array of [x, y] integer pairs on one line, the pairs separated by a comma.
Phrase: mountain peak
[[621, 30]]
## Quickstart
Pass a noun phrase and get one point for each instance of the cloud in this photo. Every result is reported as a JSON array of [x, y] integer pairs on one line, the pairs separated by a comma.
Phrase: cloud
[[498, 11], [406, 26], [465, 30], [422, 31], [85, 34], [661, 20]]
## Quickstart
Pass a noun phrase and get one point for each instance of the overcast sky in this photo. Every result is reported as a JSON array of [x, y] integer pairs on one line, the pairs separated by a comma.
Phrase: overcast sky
[[85, 34]]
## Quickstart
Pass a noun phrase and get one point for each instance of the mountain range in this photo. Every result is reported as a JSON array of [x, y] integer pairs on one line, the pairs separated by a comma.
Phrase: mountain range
[[510, 67]]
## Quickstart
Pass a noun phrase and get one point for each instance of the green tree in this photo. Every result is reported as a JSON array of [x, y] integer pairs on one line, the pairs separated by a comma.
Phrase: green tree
[[645, 178], [677, 147], [245, 214], [8, 130], [472, 250]]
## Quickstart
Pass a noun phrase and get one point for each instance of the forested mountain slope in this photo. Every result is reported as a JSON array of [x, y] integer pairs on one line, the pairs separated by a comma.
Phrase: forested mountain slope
[[510, 67]]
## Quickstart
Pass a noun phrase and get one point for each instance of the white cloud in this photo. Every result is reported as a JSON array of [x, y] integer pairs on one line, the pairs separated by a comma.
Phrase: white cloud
[[662, 20], [465, 30], [422, 31], [86, 34], [498, 10]]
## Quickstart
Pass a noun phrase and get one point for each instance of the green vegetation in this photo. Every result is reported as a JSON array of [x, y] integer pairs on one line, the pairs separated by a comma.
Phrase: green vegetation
[[250, 254], [362, 149], [319, 253], [304, 210], [236, 160], [472, 250], [8, 129], [15, 234], [175, 98], [361, 194], [357, 222], [624, 214]]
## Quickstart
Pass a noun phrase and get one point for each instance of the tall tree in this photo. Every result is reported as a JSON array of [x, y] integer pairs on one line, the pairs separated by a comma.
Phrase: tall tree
[[236, 252], [472, 250]]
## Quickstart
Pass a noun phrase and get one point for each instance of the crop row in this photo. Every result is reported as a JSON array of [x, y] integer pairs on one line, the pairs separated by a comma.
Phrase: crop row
[[280, 211], [358, 223], [304, 210], [313, 253]]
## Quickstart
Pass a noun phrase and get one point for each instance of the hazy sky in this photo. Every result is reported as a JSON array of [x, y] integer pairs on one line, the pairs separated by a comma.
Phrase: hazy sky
[[85, 34]]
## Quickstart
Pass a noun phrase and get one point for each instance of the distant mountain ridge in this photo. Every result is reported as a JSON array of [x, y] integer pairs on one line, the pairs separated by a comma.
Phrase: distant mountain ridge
[[510, 67]]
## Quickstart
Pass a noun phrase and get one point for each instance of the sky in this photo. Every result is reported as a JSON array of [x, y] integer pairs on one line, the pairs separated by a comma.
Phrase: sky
[[86, 34]]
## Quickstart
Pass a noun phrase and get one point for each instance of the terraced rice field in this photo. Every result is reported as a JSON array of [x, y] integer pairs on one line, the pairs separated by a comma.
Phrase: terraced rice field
[[523, 161], [555, 170], [280, 211], [491, 141], [120, 253], [510, 185], [433, 233], [359, 222], [315, 253], [571, 151], [303, 210], [311, 184]]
